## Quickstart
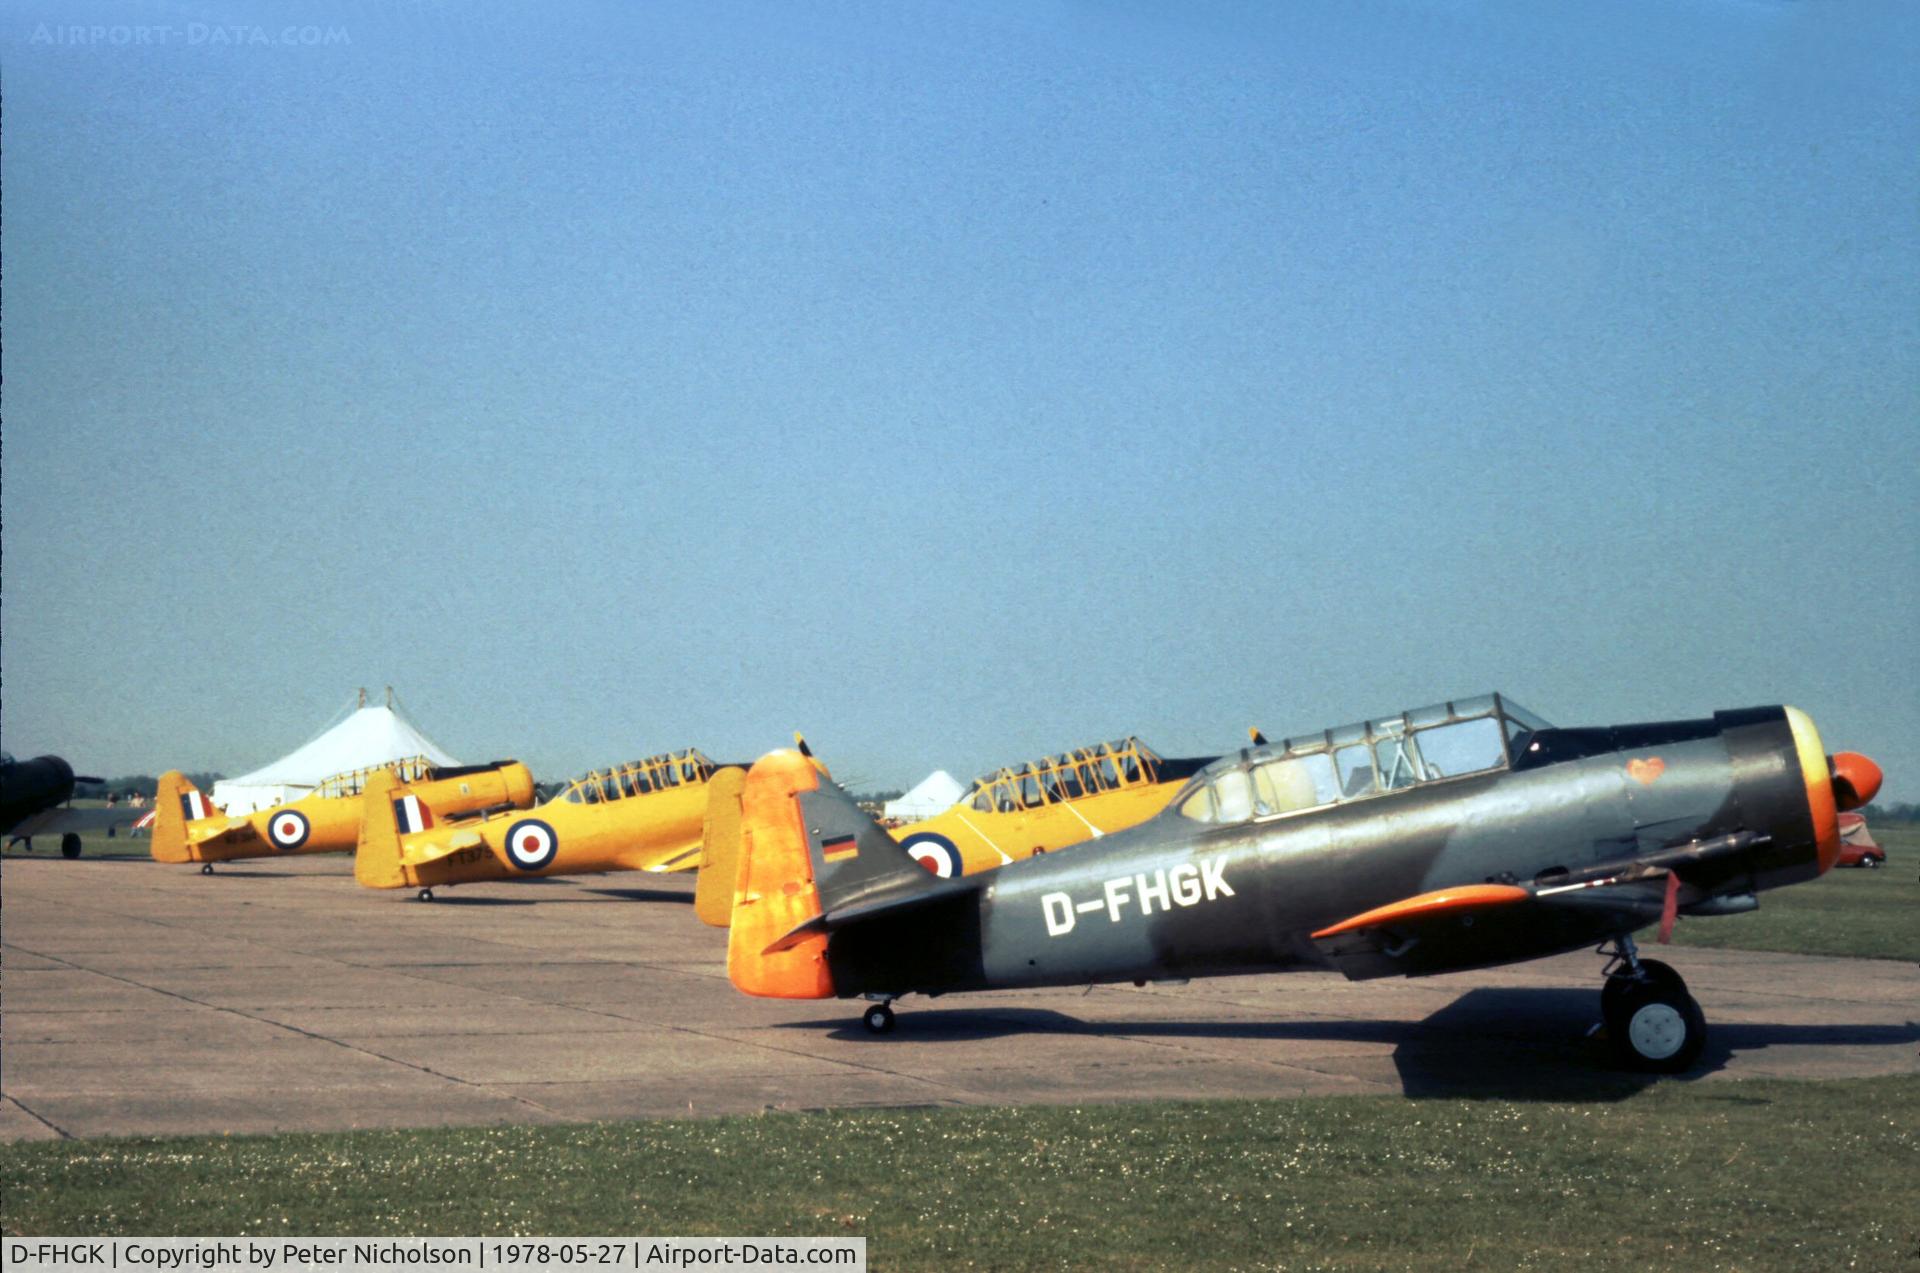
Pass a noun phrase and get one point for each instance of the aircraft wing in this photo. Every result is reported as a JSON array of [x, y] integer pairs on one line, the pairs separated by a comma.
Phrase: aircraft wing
[[1475, 925], [63, 820]]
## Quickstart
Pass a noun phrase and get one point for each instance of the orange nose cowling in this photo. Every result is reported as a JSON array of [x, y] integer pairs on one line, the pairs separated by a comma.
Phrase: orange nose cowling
[[1856, 779]]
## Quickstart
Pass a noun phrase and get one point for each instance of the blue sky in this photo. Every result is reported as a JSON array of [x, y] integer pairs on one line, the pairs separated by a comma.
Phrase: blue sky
[[952, 382]]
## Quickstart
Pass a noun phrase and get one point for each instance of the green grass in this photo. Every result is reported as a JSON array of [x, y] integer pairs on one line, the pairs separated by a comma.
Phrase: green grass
[[1758, 1175], [1860, 913]]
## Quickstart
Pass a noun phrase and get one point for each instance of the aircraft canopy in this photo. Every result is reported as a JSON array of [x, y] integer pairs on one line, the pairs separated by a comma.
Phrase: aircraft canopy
[[639, 777], [1371, 758], [1085, 771]]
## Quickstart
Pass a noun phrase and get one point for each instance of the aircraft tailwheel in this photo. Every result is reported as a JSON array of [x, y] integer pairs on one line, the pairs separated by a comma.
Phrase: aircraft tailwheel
[[206, 868], [69, 845], [1656, 1027], [425, 895], [879, 1019]]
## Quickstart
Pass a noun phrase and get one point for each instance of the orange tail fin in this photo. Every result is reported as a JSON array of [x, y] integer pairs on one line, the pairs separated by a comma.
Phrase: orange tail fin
[[774, 893]]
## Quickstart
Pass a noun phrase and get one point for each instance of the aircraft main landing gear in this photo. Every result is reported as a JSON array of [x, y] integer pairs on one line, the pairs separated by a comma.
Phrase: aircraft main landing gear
[[879, 1017], [69, 845], [1651, 1020]]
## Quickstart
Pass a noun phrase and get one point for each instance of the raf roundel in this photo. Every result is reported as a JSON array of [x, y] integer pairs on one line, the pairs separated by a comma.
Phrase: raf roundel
[[936, 853], [288, 829], [531, 844]]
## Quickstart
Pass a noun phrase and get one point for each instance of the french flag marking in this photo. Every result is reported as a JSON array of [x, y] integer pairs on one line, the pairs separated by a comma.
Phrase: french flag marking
[[410, 815], [194, 806]]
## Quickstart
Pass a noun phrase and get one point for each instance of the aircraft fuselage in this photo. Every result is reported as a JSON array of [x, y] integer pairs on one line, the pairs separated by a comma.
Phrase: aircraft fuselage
[[1176, 898]]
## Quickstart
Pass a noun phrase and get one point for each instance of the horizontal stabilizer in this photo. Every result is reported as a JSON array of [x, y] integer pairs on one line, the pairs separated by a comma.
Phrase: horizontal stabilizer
[[684, 858], [440, 847], [873, 908]]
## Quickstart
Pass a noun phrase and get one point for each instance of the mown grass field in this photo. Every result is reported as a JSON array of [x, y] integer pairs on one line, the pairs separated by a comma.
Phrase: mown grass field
[[1759, 1175]]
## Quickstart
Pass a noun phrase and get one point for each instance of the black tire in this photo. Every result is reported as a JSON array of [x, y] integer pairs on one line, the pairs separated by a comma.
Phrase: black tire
[[206, 868], [1871, 863], [1657, 1030], [1655, 973], [425, 895], [69, 845], [1652, 973], [879, 1019]]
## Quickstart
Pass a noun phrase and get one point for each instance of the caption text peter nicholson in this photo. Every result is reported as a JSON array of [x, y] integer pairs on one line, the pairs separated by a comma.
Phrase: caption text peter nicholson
[[291, 1255]]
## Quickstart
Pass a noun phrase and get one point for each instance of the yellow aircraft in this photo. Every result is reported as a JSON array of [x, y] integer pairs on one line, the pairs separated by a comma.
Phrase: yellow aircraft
[[1006, 815], [188, 828], [649, 815]]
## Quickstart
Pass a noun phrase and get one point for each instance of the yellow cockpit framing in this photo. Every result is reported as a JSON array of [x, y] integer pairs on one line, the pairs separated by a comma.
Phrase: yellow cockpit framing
[[639, 778], [1046, 804], [411, 769]]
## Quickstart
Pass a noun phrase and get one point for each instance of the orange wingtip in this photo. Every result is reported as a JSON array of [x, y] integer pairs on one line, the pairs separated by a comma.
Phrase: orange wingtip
[[1466, 897]]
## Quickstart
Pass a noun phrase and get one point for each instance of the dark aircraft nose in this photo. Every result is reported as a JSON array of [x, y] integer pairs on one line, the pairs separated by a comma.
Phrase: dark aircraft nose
[[1845, 780]]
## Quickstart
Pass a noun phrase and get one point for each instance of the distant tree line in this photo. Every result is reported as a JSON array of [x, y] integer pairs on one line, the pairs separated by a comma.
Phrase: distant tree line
[[1891, 813], [137, 784]]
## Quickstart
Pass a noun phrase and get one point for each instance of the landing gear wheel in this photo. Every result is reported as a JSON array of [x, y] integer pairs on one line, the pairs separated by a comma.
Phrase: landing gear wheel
[[879, 1019], [1657, 1028], [1872, 864], [206, 869], [1651, 973], [425, 895], [69, 845]]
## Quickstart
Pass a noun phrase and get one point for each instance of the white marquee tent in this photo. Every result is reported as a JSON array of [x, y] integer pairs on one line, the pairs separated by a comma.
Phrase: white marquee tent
[[368, 736], [936, 793]]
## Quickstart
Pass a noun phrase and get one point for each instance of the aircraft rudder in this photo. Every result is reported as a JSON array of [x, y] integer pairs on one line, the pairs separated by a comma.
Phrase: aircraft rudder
[[719, 848], [174, 799], [774, 891], [376, 858]]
